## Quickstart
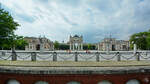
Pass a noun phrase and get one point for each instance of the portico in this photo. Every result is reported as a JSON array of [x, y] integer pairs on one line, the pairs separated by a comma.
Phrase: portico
[[76, 42]]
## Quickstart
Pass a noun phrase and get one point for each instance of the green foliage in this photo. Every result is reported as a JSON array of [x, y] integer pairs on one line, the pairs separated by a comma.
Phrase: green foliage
[[15, 41], [142, 40], [64, 47], [56, 45], [8, 40], [59, 46], [89, 47], [21, 43], [7, 24], [85, 47]]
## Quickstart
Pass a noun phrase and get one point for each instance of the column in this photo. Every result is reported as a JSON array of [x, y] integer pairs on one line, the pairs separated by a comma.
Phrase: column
[[78, 46], [70, 46], [135, 48], [73, 46], [98, 47], [81, 46], [41, 47], [107, 48]]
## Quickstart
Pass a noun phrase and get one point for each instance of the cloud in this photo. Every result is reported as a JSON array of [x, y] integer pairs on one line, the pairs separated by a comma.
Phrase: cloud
[[94, 19]]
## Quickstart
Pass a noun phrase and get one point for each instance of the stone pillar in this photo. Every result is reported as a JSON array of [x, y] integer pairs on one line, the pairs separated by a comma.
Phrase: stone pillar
[[76, 56], [33, 56], [107, 48], [70, 46], [135, 49], [97, 57], [41, 47], [54, 56], [73, 46], [98, 47], [81, 46], [14, 55], [78, 46]]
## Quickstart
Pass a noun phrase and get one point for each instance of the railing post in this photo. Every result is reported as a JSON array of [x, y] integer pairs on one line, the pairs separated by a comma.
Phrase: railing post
[[76, 57], [33, 56], [3, 53], [97, 57], [118, 56], [137, 56], [14, 56], [54, 56]]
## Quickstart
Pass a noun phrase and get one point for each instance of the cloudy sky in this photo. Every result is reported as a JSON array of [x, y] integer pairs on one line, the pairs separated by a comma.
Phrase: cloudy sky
[[94, 19]]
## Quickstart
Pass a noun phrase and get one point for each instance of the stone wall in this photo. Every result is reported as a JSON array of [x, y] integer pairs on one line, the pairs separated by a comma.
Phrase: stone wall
[[82, 79], [84, 75]]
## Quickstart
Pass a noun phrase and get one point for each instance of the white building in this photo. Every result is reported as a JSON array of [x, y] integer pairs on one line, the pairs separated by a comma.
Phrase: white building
[[111, 44], [76, 42], [39, 44]]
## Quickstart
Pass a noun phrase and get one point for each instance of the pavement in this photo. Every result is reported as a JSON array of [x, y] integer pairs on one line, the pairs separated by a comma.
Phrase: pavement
[[69, 67], [74, 64]]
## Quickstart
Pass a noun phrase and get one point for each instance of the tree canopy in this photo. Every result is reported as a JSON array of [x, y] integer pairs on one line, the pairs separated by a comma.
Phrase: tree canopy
[[7, 24], [142, 39], [8, 39]]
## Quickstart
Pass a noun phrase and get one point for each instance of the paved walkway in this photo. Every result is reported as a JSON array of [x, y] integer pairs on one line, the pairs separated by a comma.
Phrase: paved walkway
[[66, 67], [74, 64]]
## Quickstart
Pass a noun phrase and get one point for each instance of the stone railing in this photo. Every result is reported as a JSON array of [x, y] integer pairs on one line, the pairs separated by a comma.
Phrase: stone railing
[[75, 55]]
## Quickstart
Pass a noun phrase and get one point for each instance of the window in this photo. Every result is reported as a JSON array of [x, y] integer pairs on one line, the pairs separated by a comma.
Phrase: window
[[104, 82], [13, 82], [133, 81], [73, 82], [41, 82]]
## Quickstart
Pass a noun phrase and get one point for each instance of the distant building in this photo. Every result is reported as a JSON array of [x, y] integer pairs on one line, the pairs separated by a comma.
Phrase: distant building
[[39, 44], [76, 42], [112, 44]]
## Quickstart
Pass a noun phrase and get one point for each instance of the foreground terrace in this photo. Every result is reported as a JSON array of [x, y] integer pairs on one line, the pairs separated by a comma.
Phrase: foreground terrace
[[75, 67]]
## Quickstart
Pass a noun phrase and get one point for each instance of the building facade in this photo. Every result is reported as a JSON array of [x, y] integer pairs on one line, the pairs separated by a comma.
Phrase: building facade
[[76, 42], [111, 44], [39, 44]]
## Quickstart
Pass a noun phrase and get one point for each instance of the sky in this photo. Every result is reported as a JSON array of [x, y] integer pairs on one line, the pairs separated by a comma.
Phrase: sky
[[93, 19]]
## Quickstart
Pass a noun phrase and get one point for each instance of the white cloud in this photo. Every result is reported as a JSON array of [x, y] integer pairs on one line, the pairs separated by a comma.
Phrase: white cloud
[[94, 19]]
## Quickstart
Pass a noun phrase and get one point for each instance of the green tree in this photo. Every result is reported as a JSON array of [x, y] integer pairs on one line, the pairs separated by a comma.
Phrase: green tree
[[89, 46], [7, 28], [142, 40], [85, 47], [64, 47], [16, 42], [21, 43], [56, 45]]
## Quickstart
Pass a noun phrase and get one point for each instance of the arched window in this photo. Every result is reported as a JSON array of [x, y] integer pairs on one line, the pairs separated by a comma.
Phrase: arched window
[[73, 82], [41, 82], [13, 82], [104, 82], [133, 81]]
